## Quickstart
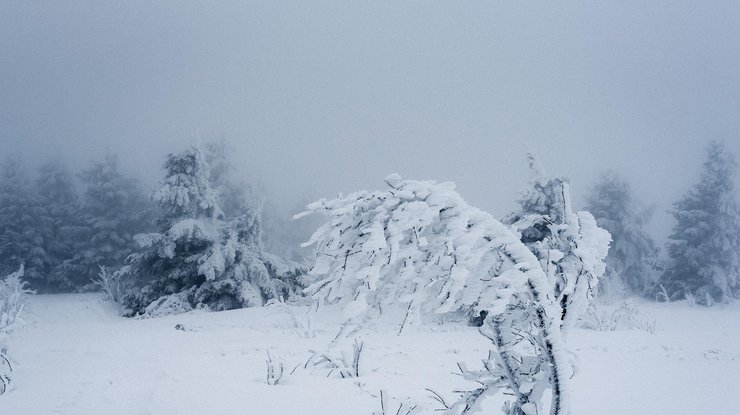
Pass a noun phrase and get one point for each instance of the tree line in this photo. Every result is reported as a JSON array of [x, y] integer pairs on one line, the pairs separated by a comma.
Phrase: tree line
[[63, 227], [68, 229], [701, 261], [524, 280], [63, 236]]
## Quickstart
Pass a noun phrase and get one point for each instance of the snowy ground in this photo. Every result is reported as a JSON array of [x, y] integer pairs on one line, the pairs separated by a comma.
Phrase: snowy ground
[[73, 355]]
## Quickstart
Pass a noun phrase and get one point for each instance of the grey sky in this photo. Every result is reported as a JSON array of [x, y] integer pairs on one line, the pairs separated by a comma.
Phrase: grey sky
[[321, 97]]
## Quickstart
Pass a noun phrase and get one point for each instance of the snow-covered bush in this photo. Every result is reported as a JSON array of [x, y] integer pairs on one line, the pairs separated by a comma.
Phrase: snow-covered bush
[[12, 291], [570, 247], [200, 255], [418, 243], [113, 285]]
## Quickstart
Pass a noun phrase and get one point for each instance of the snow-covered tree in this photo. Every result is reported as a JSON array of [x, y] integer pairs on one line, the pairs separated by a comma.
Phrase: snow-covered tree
[[114, 210], [60, 222], [570, 247], [21, 239], [420, 245], [198, 257], [704, 247], [632, 260]]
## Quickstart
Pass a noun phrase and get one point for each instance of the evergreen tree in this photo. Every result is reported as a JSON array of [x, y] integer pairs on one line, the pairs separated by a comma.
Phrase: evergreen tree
[[704, 247], [21, 238], [61, 223], [632, 260], [188, 227], [570, 246], [114, 209], [198, 257]]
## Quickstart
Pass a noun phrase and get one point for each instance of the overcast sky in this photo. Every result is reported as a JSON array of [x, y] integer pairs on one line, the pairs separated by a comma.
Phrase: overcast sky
[[325, 97]]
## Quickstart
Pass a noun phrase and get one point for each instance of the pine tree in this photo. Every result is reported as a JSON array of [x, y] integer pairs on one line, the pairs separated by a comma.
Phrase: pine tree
[[198, 257], [61, 223], [632, 260], [114, 210], [21, 238], [188, 227], [704, 247]]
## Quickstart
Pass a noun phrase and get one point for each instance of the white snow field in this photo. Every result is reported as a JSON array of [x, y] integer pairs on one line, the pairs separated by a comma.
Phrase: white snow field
[[74, 355]]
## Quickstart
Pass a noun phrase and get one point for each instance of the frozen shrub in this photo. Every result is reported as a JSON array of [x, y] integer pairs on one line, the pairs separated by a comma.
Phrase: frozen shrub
[[12, 291], [113, 285], [570, 246], [420, 245]]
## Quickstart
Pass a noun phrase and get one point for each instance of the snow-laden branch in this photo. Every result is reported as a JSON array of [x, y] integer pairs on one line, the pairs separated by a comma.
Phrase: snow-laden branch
[[418, 243]]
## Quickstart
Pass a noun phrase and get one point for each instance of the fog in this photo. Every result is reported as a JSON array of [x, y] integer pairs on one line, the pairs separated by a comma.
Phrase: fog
[[318, 98]]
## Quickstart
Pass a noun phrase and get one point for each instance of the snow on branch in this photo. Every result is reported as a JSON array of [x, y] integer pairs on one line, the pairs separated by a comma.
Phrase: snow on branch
[[419, 244]]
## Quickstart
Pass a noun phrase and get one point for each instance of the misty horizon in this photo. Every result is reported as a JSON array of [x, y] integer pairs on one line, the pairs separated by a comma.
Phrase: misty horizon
[[369, 207], [329, 98]]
